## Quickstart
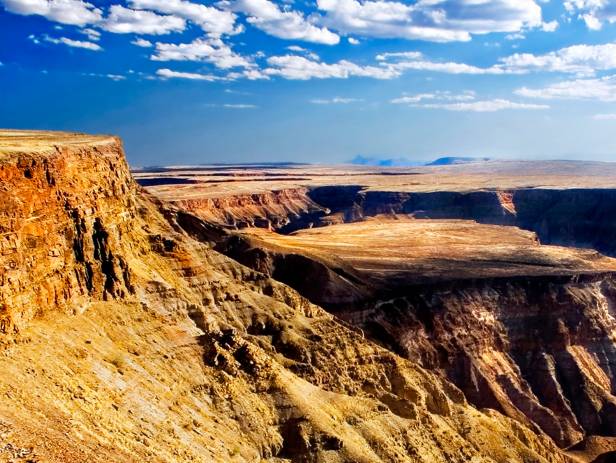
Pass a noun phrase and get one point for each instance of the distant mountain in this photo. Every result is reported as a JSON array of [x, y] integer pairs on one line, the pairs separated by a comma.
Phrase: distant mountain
[[452, 160], [404, 162], [380, 162]]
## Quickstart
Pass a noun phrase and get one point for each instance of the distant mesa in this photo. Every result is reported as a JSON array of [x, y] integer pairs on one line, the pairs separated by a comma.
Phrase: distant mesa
[[404, 162], [382, 162], [453, 160]]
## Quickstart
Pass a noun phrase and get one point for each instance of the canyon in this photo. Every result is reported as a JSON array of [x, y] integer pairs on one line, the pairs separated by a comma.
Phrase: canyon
[[128, 336], [499, 280]]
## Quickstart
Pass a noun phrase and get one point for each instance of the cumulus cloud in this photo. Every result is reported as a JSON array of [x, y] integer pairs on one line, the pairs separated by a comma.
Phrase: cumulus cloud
[[169, 74], [211, 50], [413, 60], [483, 106], [68, 42], [92, 34], [123, 20], [301, 68], [143, 43], [577, 59], [335, 100], [603, 89], [593, 12], [433, 20], [287, 24], [583, 60], [353, 41], [212, 20], [73, 12]]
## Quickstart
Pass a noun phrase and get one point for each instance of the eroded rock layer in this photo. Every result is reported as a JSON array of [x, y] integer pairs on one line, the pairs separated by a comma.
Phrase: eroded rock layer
[[523, 328], [167, 351]]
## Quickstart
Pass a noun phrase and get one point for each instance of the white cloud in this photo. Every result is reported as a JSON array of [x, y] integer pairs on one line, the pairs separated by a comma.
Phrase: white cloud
[[143, 43], [603, 89], [483, 106], [593, 12], [335, 100], [433, 20], [92, 34], [69, 42], [577, 59], [467, 95], [297, 48], [212, 20], [123, 20], [515, 36], [550, 26], [605, 117], [301, 68], [211, 50], [169, 74], [399, 55], [288, 24], [239, 106], [250, 74], [73, 12], [583, 60], [353, 41], [114, 77]]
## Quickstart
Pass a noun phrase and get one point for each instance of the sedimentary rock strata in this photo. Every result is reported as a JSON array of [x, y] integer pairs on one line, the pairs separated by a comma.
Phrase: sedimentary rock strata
[[166, 350]]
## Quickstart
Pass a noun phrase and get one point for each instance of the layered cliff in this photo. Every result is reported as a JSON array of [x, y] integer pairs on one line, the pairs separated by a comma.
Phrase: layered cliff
[[523, 328], [126, 339], [285, 210], [64, 210]]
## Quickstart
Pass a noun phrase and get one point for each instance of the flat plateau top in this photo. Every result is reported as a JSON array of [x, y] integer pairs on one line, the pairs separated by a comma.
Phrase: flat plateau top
[[218, 181], [41, 142], [416, 250]]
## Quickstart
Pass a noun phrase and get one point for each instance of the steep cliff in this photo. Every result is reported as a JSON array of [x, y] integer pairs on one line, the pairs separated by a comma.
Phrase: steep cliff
[[285, 210], [523, 328], [126, 340], [64, 210]]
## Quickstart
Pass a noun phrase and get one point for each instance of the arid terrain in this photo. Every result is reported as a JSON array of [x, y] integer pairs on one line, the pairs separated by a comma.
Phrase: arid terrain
[[354, 316], [497, 274]]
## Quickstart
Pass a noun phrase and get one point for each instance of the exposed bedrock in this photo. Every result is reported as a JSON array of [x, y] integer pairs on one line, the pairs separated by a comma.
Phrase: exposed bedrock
[[537, 348], [63, 215], [284, 210], [574, 217]]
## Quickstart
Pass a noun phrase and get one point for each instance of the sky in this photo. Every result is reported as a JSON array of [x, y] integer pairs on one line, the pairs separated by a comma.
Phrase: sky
[[191, 82]]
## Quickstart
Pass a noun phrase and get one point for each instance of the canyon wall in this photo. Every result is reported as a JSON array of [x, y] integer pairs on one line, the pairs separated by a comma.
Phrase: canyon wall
[[63, 213], [127, 339], [569, 217], [285, 210]]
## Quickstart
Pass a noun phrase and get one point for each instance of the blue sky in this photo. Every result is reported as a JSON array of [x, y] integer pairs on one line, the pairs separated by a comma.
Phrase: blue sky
[[186, 81]]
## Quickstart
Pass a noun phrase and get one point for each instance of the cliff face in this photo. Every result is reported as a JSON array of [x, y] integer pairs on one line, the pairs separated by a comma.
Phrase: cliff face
[[285, 210], [165, 350], [570, 217], [64, 210], [537, 349], [520, 327]]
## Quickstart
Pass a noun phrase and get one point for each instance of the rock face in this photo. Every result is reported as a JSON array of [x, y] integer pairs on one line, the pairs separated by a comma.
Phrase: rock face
[[64, 210], [285, 210], [167, 351], [570, 217], [521, 328]]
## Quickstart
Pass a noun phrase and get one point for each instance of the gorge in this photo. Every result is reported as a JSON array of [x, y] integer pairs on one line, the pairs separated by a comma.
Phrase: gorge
[[139, 327]]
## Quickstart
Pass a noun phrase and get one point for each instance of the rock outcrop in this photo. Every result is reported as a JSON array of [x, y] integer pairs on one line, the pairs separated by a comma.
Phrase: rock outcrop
[[65, 210], [166, 350], [522, 328]]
